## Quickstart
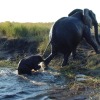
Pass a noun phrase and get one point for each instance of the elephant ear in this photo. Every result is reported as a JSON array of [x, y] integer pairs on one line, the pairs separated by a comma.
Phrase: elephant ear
[[93, 17], [74, 11], [86, 18]]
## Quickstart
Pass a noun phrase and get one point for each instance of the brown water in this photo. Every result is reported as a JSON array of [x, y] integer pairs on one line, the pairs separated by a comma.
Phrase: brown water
[[35, 87]]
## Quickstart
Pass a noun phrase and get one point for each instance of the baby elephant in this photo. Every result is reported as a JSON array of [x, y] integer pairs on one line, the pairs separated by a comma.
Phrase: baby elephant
[[26, 65]]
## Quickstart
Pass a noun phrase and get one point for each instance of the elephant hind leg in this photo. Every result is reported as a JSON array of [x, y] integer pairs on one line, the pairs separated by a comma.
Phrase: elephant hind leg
[[50, 57], [74, 54], [65, 60]]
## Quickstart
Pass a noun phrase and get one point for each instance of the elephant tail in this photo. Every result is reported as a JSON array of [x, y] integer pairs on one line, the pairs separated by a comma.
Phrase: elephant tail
[[46, 49]]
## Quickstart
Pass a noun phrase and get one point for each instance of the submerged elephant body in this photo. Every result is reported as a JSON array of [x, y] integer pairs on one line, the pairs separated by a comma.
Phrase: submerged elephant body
[[26, 65], [66, 34]]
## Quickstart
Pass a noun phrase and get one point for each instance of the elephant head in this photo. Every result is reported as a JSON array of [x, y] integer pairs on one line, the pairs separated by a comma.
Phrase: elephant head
[[89, 19]]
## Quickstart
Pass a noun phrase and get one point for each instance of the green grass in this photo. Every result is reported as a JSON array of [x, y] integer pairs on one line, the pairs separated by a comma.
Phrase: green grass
[[10, 64], [38, 32], [21, 30]]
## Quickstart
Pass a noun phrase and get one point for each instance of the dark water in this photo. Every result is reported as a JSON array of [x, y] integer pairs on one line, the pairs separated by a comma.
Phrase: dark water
[[35, 87]]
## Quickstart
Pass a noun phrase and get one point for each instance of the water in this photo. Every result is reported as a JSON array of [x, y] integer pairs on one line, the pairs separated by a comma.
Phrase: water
[[35, 87]]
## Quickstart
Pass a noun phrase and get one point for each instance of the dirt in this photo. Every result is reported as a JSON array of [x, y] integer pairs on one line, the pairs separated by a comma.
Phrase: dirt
[[14, 48]]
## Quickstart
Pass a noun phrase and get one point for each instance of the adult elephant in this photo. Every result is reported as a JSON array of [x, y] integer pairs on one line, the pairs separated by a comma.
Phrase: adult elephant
[[67, 32], [90, 21]]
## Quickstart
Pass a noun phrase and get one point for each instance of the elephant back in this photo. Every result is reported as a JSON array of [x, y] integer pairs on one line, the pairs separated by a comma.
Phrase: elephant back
[[66, 31]]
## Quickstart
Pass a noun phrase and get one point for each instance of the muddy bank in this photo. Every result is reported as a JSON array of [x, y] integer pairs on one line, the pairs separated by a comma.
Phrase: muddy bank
[[16, 47], [24, 47]]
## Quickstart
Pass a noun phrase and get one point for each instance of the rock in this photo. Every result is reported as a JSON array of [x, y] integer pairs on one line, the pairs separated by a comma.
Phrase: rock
[[81, 77]]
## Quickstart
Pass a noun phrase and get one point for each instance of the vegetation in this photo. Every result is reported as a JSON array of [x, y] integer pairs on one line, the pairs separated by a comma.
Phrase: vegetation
[[29, 31], [23, 30]]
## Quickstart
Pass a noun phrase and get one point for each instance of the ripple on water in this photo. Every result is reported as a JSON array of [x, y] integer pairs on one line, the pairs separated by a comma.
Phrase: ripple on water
[[17, 87]]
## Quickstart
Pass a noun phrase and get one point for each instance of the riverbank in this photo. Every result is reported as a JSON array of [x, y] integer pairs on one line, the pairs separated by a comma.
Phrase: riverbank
[[88, 64]]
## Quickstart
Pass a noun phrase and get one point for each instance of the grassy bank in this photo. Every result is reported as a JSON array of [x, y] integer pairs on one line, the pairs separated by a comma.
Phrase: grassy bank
[[37, 32]]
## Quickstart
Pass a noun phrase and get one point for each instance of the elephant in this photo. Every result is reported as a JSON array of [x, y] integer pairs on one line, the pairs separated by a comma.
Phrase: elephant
[[67, 32], [92, 22], [26, 65]]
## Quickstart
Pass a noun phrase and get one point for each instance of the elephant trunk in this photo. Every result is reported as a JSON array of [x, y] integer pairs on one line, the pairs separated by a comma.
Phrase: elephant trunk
[[96, 33]]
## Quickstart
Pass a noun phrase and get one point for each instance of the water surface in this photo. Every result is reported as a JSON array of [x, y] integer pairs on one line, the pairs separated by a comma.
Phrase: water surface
[[24, 87]]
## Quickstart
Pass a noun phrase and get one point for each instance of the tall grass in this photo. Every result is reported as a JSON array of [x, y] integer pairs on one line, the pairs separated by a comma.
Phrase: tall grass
[[20, 30], [31, 31]]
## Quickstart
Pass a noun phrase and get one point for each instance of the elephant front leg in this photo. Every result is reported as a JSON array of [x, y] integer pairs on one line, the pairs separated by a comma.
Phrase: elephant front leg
[[88, 37], [93, 44]]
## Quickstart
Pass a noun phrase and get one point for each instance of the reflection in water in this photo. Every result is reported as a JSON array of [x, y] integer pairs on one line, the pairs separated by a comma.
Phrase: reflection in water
[[35, 87]]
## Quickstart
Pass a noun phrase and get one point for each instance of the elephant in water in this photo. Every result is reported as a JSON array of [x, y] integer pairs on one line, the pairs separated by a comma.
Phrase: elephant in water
[[26, 65], [67, 32]]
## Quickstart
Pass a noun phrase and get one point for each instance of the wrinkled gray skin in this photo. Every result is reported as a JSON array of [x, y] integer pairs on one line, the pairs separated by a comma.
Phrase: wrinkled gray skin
[[67, 32]]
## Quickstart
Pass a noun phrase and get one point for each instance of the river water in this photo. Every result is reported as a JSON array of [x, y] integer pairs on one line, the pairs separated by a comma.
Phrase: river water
[[35, 87]]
